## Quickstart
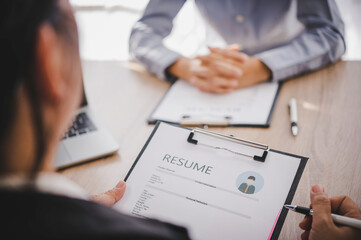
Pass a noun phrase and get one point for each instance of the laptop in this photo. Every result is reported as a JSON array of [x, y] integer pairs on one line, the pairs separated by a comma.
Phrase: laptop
[[85, 140]]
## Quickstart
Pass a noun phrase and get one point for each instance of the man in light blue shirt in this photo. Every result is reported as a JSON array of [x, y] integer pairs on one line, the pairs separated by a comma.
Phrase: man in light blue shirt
[[275, 40]]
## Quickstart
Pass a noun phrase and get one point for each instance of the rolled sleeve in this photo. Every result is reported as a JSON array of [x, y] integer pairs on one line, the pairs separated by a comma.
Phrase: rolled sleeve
[[161, 58], [146, 39], [278, 62], [321, 44]]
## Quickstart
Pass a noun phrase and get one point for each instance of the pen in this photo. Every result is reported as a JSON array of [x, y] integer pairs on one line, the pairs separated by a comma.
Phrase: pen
[[347, 221], [293, 114]]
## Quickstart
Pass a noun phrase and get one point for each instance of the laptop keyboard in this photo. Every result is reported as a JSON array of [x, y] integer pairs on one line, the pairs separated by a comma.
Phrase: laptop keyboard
[[81, 125]]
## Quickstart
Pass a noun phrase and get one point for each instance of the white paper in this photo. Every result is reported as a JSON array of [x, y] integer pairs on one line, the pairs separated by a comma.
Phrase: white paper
[[250, 105], [206, 198]]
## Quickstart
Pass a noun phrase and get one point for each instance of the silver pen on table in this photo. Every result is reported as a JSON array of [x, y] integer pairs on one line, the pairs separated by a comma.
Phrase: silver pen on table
[[347, 221], [293, 115]]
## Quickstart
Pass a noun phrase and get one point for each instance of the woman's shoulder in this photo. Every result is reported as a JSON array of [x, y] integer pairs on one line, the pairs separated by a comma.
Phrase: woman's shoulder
[[51, 216]]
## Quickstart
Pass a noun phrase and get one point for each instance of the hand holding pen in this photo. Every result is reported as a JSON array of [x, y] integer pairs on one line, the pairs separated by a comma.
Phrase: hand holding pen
[[321, 225]]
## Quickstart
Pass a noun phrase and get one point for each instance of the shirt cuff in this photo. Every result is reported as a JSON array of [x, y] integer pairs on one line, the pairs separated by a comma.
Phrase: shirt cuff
[[166, 59], [274, 63]]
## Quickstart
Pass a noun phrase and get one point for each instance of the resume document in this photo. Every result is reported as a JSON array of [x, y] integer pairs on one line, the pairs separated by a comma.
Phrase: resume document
[[216, 194]]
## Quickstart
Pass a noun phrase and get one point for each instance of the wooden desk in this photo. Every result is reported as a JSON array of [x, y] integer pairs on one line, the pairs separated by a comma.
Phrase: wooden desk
[[329, 107]]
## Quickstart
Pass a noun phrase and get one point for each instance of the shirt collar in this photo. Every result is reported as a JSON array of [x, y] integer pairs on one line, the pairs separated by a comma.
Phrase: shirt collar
[[49, 182]]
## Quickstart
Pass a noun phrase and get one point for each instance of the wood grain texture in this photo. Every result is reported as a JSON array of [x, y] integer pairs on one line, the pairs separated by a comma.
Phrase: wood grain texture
[[329, 108]]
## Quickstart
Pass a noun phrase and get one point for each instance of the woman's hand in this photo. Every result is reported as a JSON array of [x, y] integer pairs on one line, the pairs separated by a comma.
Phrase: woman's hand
[[320, 225], [109, 198]]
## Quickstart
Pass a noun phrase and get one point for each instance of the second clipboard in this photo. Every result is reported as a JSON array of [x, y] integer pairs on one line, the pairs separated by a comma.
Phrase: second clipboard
[[185, 105]]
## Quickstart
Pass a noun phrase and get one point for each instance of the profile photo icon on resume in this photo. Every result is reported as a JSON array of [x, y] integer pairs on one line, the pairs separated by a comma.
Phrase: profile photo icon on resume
[[249, 182], [248, 187]]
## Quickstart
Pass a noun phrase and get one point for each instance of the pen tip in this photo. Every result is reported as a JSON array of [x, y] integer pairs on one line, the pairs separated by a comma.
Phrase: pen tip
[[290, 207]]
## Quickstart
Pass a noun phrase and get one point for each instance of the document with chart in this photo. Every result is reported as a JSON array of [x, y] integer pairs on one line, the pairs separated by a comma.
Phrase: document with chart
[[186, 105], [215, 186]]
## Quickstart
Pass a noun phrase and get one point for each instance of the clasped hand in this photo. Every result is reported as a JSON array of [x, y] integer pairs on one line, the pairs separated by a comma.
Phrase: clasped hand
[[222, 70]]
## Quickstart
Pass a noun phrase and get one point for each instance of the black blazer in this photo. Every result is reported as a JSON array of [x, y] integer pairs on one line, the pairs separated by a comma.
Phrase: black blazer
[[34, 215]]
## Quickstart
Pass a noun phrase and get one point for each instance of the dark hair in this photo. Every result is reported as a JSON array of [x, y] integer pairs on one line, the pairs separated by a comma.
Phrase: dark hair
[[252, 177], [19, 24]]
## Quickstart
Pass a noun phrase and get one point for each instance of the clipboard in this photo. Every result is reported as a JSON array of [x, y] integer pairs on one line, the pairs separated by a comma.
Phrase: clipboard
[[210, 119], [259, 154]]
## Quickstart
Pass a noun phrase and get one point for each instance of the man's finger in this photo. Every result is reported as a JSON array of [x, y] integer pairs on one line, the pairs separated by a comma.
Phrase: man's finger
[[224, 82], [235, 55], [112, 196], [321, 206], [208, 59], [226, 69], [222, 66], [207, 86], [220, 90], [214, 57], [203, 72], [200, 83], [233, 47]]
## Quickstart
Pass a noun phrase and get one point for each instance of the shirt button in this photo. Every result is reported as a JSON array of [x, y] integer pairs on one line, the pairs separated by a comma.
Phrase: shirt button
[[239, 18]]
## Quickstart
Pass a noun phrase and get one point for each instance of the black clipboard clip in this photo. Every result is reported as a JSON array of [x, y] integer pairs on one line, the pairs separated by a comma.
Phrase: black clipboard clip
[[262, 158]]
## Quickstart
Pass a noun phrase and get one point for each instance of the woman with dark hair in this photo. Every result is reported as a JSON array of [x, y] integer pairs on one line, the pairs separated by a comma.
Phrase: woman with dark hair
[[40, 89]]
